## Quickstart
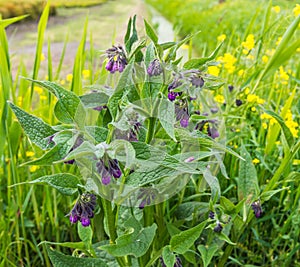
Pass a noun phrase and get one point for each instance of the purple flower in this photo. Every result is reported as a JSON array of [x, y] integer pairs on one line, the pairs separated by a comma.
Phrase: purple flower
[[197, 81], [238, 102], [108, 168], [218, 228], [230, 88], [178, 262], [211, 215], [257, 209], [147, 196], [83, 210], [209, 127], [117, 59], [154, 68], [182, 115]]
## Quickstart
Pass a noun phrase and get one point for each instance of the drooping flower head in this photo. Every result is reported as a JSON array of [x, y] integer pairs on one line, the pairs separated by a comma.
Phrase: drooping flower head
[[257, 209], [108, 168], [83, 210], [208, 127], [154, 68], [116, 59], [218, 228], [146, 197], [79, 140]]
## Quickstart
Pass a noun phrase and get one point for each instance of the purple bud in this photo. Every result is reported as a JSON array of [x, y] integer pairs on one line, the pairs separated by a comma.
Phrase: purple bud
[[114, 67], [211, 215], [105, 177], [190, 159], [73, 218], [114, 168], [213, 132], [154, 68], [197, 81], [172, 96], [142, 204], [110, 64], [85, 221], [238, 102], [230, 88], [257, 209], [218, 228], [184, 122], [214, 110]]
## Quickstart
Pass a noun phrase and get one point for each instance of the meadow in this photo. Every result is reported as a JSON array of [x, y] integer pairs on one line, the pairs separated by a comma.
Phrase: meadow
[[136, 158]]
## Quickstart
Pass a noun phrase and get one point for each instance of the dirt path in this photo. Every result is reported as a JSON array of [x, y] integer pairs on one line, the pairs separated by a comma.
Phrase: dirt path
[[105, 23]]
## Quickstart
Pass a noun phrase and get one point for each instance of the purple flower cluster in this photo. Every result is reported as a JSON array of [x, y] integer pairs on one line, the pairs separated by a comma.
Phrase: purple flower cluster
[[257, 209], [146, 196], [182, 115], [83, 210], [107, 169], [218, 228], [116, 59], [154, 68]]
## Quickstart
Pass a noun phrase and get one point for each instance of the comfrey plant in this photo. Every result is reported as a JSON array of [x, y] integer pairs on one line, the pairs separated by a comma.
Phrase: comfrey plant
[[147, 145]]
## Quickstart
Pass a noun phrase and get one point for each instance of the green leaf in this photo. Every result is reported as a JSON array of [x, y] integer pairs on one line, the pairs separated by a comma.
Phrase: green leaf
[[265, 196], [36, 129], [196, 63], [131, 35], [98, 133], [75, 245], [84, 150], [227, 205], [68, 108], [95, 99], [247, 180], [168, 256], [166, 116], [59, 259], [125, 84], [150, 32], [181, 242], [85, 235], [213, 183], [285, 130], [65, 183], [135, 242], [207, 253], [123, 151], [6, 22], [225, 238]]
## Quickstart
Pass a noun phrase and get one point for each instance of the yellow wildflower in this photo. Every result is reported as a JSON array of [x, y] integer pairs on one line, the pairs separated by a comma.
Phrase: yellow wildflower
[[298, 49], [62, 82], [251, 98], [221, 37], [241, 72], [291, 124], [228, 60], [296, 10], [43, 97], [29, 154], [256, 161], [278, 40], [264, 125], [278, 143], [248, 44], [250, 57], [69, 77], [296, 162], [265, 59], [20, 100], [185, 47], [283, 75], [219, 99], [43, 57], [33, 168], [213, 70], [86, 74], [237, 130], [247, 91], [253, 109], [276, 9], [38, 89]]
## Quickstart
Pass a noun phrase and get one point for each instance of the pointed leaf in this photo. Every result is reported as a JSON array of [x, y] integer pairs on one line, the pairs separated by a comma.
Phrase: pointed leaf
[[207, 253]]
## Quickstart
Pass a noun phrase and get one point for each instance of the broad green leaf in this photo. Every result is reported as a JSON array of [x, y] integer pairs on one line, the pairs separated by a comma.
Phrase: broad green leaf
[[285, 130], [68, 108], [85, 235], [94, 99], [135, 242], [98, 133], [247, 181], [227, 205], [75, 245], [225, 238], [168, 257], [123, 151], [124, 85], [187, 211], [181, 242], [213, 183], [196, 63], [166, 116], [207, 253], [86, 149], [131, 35], [36, 129], [150, 32], [59, 259], [65, 183]]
